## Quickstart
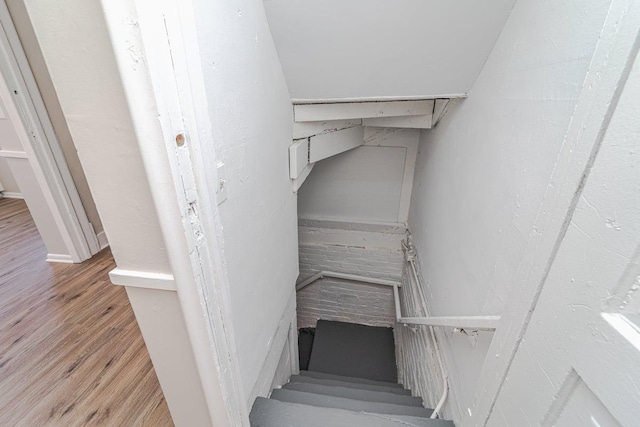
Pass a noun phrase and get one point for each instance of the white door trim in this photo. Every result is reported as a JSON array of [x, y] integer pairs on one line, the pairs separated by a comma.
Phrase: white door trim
[[41, 145], [168, 105], [619, 42]]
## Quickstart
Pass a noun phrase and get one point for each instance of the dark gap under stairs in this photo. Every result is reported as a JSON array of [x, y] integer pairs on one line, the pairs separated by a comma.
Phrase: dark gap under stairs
[[350, 381]]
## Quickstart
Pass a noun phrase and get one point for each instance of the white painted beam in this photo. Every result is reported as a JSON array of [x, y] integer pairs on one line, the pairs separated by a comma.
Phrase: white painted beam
[[360, 110], [410, 122], [298, 157], [439, 108], [297, 182], [307, 129], [330, 144]]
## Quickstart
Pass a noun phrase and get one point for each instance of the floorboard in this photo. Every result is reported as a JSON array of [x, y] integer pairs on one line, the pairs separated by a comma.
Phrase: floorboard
[[71, 353]]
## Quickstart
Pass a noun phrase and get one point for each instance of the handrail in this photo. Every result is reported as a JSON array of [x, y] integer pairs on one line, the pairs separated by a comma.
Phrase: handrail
[[344, 276], [468, 322], [461, 322], [481, 323]]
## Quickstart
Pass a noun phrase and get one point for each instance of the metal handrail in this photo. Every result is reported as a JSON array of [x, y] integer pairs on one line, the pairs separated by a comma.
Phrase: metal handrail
[[463, 322]]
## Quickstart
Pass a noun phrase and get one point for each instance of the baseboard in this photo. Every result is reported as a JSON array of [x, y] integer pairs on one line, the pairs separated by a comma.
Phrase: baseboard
[[102, 240], [60, 258], [12, 195]]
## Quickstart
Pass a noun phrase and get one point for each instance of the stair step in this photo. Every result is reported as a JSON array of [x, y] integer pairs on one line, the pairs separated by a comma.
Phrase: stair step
[[273, 413], [321, 400], [356, 394], [344, 378], [347, 384], [354, 350]]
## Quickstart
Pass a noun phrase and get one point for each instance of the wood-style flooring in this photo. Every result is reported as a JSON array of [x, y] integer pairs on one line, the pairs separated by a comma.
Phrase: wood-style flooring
[[71, 353]]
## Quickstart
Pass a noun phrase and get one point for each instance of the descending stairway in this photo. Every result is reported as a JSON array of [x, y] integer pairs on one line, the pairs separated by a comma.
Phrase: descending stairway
[[350, 381]]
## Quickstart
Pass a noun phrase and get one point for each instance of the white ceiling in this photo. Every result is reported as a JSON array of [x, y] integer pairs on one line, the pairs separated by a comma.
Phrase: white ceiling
[[377, 49]]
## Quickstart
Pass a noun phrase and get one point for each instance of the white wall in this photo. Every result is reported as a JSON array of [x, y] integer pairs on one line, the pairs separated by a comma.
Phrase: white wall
[[482, 172], [371, 183], [251, 115], [41, 74], [332, 49]]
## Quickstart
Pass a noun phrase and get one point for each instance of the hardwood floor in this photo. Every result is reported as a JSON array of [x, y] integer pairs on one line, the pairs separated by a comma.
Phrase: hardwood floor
[[71, 353]]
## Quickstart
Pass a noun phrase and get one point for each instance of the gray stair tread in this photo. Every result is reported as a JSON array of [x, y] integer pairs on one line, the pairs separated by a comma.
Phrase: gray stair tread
[[322, 381], [351, 393], [273, 413], [355, 380], [354, 350], [313, 399]]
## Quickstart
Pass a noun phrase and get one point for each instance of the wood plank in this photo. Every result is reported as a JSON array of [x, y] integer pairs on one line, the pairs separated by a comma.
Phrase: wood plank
[[71, 353], [360, 110], [307, 129], [330, 144], [439, 109], [410, 122], [298, 157]]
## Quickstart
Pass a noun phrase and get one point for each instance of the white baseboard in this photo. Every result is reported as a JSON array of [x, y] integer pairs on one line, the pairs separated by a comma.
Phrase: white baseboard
[[60, 258], [12, 195], [102, 240]]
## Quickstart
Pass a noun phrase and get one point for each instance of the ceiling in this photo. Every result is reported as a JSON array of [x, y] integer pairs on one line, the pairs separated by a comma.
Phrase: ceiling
[[338, 50]]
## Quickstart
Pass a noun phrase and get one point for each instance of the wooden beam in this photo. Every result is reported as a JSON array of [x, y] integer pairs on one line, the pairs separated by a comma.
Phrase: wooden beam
[[307, 129], [409, 122], [361, 110], [439, 108], [298, 157], [330, 144]]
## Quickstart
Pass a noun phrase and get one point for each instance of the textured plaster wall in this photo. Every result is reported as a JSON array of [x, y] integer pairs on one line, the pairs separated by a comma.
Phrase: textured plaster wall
[[482, 172]]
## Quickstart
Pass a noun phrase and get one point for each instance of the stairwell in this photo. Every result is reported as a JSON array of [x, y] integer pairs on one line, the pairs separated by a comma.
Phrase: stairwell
[[350, 380]]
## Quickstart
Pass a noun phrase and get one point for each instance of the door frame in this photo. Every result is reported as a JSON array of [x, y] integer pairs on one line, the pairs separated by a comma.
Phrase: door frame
[[42, 148], [611, 63], [164, 87]]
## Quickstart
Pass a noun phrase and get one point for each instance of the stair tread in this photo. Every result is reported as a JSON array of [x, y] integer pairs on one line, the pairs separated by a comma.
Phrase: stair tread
[[273, 413], [348, 384], [354, 380], [356, 394], [321, 400], [354, 350]]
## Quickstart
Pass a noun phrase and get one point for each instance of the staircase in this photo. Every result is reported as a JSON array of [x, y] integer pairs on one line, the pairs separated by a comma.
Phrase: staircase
[[350, 381]]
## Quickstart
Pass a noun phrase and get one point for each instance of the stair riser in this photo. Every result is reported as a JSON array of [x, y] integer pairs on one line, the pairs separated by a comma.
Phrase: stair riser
[[333, 383], [348, 404], [365, 395]]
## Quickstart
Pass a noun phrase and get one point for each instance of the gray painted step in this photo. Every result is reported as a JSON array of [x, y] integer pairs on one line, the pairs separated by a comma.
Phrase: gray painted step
[[354, 350], [351, 393], [273, 413], [355, 380], [348, 404], [322, 381]]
